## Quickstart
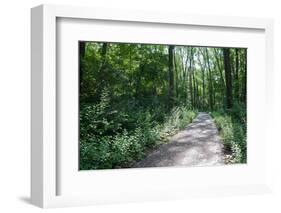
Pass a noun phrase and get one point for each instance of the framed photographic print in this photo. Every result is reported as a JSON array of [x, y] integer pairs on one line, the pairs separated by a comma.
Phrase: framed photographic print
[[130, 106]]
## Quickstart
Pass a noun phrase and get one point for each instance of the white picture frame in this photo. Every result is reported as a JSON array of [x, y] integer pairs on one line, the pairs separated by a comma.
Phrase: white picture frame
[[45, 174]]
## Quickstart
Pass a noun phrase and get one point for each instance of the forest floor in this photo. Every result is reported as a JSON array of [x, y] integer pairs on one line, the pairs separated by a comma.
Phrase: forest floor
[[199, 144]]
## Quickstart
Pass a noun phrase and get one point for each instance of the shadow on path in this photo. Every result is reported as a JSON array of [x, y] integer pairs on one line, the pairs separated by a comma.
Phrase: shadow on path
[[197, 145]]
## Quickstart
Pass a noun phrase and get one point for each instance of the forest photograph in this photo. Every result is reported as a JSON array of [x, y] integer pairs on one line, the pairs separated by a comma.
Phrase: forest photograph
[[161, 105]]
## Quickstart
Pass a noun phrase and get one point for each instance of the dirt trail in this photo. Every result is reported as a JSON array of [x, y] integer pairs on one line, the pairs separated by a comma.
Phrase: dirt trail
[[197, 145]]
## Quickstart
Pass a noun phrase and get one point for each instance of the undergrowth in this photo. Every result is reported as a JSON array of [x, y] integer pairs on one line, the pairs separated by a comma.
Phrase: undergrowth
[[232, 128], [117, 138]]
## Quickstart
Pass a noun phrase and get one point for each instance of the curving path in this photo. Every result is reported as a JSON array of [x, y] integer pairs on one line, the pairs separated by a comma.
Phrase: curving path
[[197, 145]]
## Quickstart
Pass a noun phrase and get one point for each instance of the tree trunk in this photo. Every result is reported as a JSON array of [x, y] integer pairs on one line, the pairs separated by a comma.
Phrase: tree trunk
[[210, 81], [82, 47], [219, 67], [138, 83], [222, 84], [103, 56], [245, 78], [228, 78], [203, 80], [190, 78], [171, 76], [185, 76], [197, 95], [194, 90], [102, 71], [236, 75], [176, 77]]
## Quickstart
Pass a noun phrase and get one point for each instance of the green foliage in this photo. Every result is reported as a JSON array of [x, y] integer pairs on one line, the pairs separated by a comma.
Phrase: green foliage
[[177, 120], [232, 127], [100, 119], [105, 145], [134, 96]]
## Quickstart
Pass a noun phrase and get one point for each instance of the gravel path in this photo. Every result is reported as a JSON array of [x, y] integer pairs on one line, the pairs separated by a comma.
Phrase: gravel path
[[197, 145]]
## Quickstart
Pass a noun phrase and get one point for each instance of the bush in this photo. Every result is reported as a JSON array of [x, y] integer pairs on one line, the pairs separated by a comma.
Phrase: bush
[[117, 138], [176, 120], [233, 133]]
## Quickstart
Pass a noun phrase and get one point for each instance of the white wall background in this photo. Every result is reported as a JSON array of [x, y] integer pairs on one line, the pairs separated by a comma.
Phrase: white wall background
[[15, 104]]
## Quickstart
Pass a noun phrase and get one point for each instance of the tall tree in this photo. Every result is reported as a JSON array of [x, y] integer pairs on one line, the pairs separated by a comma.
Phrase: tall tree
[[203, 78], [82, 48], [236, 77], [138, 80], [184, 59], [194, 88], [190, 77], [171, 75], [245, 77], [176, 76], [219, 65], [103, 56], [228, 78], [103, 78], [210, 83]]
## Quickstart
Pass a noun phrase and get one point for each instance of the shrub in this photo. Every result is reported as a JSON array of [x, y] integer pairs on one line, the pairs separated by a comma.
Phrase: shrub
[[233, 133], [176, 120], [116, 138]]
